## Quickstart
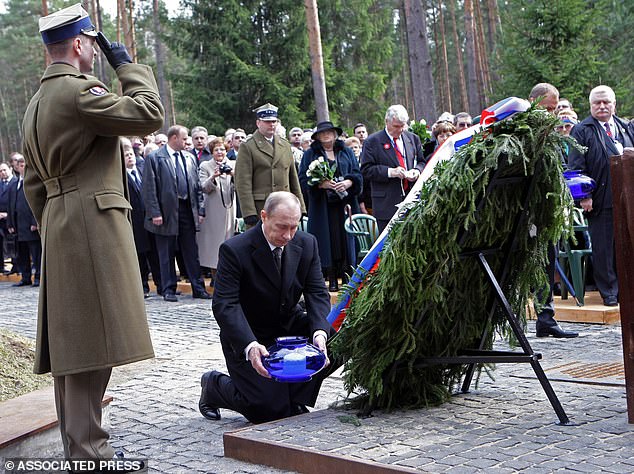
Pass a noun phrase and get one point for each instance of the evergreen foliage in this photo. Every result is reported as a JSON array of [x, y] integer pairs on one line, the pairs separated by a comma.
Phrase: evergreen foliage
[[551, 41], [422, 277]]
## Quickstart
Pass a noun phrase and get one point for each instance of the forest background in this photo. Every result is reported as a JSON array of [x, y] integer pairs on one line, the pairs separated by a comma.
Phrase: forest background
[[216, 60]]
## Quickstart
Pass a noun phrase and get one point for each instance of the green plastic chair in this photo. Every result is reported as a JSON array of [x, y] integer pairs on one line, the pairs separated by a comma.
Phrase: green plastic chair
[[365, 231], [574, 260]]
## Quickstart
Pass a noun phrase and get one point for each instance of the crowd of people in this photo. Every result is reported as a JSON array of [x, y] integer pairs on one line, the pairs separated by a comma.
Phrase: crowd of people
[[223, 181]]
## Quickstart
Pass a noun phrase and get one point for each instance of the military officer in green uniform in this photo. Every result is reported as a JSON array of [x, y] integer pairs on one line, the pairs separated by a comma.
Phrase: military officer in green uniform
[[265, 164], [91, 310]]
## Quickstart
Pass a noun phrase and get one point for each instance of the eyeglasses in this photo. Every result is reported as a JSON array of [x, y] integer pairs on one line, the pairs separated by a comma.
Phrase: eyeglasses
[[463, 125]]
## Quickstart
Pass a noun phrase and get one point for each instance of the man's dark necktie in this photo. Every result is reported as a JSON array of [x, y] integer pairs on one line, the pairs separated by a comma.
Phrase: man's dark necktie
[[135, 178], [181, 180], [277, 258], [608, 130]]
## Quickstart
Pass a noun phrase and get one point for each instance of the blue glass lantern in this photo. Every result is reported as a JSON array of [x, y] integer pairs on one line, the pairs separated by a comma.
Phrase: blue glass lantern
[[292, 359], [580, 185]]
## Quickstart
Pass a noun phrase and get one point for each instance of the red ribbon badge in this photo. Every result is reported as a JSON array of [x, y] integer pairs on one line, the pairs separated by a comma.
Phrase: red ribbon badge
[[386, 146]]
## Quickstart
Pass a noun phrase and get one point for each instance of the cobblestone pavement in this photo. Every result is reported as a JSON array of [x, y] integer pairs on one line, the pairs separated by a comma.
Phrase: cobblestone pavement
[[505, 425]]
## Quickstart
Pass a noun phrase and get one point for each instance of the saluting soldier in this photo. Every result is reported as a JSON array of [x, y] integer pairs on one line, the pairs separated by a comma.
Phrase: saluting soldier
[[91, 310], [265, 164]]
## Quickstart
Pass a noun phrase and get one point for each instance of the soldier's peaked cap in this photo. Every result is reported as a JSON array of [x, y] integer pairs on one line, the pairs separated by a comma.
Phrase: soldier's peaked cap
[[66, 23], [266, 112]]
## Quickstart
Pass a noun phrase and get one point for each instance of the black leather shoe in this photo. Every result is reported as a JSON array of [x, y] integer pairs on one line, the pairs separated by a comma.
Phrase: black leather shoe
[[610, 301], [203, 295], [555, 331], [206, 410], [22, 283], [333, 285], [171, 297], [297, 409]]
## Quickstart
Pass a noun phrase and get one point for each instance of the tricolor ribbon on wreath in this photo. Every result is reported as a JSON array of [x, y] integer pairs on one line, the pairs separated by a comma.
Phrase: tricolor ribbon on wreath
[[501, 110]]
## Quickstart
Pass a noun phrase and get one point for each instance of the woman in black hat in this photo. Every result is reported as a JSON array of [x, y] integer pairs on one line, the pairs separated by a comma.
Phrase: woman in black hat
[[327, 200]]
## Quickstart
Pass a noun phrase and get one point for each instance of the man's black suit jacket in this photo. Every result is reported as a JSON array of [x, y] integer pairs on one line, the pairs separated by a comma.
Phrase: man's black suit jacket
[[376, 157], [159, 191], [595, 162], [251, 302], [138, 213]]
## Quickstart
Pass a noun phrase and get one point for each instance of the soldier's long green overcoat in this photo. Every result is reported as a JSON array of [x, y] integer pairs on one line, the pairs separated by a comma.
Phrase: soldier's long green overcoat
[[91, 309], [262, 169]]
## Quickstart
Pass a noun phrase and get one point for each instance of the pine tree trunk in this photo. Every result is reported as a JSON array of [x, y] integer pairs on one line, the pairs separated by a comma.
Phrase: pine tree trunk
[[316, 61], [132, 33], [481, 54], [464, 101], [494, 27], [160, 66], [96, 14], [437, 72], [445, 62], [420, 60], [470, 50]]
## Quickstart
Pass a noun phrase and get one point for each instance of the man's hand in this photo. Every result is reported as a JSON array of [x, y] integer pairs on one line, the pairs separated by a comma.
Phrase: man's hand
[[320, 341], [201, 219], [115, 53], [11, 230], [157, 220], [586, 204], [33, 228], [255, 357], [3, 215], [398, 172], [412, 175]]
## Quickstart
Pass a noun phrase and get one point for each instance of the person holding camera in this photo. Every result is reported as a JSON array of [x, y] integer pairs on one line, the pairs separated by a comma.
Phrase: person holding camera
[[216, 181], [91, 314]]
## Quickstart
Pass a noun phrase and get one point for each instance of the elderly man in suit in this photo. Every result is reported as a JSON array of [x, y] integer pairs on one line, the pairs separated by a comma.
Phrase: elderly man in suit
[[261, 275], [74, 183], [173, 209], [391, 161], [605, 135], [265, 164]]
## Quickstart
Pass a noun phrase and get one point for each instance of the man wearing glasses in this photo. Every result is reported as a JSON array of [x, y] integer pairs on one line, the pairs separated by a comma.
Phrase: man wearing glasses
[[462, 121]]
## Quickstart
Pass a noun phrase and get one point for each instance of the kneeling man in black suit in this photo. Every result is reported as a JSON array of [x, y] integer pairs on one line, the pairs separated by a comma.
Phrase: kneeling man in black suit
[[261, 276]]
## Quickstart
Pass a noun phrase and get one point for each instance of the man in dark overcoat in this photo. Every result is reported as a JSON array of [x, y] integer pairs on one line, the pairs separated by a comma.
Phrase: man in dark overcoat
[[254, 302], [6, 179], [173, 211], [143, 240], [391, 162], [605, 135], [91, 313], [22, 223]]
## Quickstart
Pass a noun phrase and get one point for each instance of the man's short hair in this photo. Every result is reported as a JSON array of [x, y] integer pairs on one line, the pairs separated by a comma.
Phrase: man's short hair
[[280, 198], [354, 129], [295, 129], [461, 115], [543, 89], [602, 88], [199, 128], [175, 130], [397, 112]]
